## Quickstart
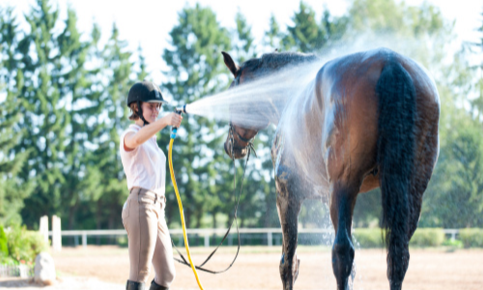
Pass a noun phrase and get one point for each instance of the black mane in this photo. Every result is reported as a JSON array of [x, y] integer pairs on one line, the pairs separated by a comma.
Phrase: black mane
[[277, 60]]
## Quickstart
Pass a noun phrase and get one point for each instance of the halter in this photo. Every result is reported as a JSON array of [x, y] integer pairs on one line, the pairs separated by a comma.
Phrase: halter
[[248, 141]]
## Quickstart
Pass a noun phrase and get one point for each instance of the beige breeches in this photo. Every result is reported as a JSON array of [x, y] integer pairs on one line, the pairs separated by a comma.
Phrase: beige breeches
[[148, 237]]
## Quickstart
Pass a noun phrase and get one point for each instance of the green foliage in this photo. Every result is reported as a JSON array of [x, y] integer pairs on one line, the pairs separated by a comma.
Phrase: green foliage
[[196, 69], [23, 245], [472, 238], [455, 196], [387, 16], [273, 35], [453, 244], [60, 119], [369, 238], [3, 243], [12, 190], [307, 35], [46, 118], [423, 237], [427, 237], [243, 42]]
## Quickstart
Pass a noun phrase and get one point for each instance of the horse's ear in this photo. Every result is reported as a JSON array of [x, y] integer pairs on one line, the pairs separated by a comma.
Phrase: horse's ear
[[232, 66]]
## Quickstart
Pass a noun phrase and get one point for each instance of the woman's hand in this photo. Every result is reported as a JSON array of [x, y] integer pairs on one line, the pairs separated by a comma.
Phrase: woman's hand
[[173, 119]]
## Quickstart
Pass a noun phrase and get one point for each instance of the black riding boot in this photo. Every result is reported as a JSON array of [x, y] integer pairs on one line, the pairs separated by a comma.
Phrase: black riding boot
[[131, 285], [155, 286]]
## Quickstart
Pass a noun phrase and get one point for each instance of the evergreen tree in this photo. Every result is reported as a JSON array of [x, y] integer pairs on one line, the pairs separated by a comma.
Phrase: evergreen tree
[[196, 70], [12, 190], [113, 120], [78, 86], [45, 115], [242, 42], [477, 50], [141, 72], [273, 35], [306, 34]]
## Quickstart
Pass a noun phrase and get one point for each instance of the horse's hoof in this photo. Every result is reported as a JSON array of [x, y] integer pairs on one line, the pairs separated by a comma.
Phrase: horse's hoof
[[296, 270]]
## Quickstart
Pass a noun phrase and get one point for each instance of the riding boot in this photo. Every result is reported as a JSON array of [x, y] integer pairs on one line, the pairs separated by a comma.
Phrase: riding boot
[[131, 285], [155, 286]]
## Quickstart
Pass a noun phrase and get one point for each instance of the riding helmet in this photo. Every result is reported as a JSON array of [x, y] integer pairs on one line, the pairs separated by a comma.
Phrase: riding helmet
[[144, 92]]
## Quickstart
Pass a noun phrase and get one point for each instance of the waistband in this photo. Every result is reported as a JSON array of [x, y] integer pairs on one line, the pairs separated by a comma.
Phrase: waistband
[[146, 192]]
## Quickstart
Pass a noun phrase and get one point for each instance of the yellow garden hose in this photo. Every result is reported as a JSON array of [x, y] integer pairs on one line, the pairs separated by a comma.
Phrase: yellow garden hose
[[180, 204]]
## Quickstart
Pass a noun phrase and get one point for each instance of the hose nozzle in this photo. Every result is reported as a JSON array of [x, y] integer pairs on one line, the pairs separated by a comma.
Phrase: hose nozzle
[[181, 110]]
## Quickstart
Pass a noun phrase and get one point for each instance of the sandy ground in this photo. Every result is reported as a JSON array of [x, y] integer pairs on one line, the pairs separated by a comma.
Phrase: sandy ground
[[257, 268]]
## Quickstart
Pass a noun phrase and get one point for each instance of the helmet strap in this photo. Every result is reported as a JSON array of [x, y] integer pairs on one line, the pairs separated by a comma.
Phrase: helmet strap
[[140, 112]]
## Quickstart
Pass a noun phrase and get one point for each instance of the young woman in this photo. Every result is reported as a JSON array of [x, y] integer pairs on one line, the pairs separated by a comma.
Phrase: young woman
[[145, 167]]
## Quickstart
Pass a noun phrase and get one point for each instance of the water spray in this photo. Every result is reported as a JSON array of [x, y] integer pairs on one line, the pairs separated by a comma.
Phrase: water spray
[[174, 131]]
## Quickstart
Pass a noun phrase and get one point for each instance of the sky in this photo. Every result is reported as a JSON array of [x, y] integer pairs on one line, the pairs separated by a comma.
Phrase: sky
[[147, 22]]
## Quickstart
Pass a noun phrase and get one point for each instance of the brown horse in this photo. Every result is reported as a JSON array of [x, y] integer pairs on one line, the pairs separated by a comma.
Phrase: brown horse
[[367, 120]]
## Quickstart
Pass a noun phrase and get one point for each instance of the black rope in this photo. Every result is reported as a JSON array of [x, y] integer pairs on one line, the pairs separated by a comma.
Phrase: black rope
[[235, 218]]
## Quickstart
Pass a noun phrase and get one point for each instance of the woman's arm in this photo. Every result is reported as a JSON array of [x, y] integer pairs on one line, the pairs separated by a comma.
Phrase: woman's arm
[[133, 140]]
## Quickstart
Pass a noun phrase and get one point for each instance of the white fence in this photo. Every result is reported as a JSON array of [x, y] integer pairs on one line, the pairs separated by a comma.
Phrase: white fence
[[208, 233], [22, 271]]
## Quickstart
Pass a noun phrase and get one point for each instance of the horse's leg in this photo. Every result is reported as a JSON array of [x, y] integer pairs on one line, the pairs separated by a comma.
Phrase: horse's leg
[[289, 264], [341, 208], [288, 206]]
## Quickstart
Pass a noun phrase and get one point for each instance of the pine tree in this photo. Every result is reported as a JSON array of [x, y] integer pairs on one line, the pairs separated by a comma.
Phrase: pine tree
[[12, 190], [113, 190], [273, 36], [45, 115], [78, 87], [478, 52], [141, 72], [196, 70], [243, 47], [306, 34]]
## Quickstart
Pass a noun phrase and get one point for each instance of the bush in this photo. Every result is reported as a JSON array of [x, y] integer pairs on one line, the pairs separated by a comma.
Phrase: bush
[[24, 246], [429, 237], [472, 238], [369, 238], [3, 243], [456, 244]]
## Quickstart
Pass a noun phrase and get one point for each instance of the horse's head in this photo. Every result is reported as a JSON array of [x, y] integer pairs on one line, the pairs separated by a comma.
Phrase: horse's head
[[240, 136]]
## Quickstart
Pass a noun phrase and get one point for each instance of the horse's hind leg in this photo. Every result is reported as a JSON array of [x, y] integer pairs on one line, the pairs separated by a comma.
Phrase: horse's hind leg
[[341, 208]]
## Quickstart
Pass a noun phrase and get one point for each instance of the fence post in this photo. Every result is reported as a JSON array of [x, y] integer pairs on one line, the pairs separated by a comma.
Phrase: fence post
[[269, 239], [56, 234], [207, 240], [84, 239], [44, 228]]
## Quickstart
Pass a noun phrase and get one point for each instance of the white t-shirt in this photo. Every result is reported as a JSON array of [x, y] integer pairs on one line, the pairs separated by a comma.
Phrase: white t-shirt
[[145, 166]]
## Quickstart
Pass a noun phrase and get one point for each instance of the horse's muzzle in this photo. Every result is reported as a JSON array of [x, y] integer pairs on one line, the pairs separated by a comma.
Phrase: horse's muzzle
[[238, 152]]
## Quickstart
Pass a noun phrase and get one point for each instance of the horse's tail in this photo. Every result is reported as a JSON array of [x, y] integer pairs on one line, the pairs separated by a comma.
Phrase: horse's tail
[[395, 155]]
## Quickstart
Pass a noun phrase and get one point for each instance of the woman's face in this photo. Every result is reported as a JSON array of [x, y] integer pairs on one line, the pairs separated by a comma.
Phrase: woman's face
[[151, 111]]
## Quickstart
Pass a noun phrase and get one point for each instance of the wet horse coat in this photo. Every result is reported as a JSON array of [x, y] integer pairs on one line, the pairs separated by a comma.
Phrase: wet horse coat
[[367, 120]]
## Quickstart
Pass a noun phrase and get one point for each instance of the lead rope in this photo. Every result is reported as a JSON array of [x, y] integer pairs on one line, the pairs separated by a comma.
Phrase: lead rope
[[237, 199]]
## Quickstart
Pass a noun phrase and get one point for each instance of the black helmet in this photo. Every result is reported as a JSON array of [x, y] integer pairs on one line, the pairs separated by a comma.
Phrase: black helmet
[[144, 92]]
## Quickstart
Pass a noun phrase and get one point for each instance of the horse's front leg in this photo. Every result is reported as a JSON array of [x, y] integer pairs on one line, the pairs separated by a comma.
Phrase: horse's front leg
[[288, 206]]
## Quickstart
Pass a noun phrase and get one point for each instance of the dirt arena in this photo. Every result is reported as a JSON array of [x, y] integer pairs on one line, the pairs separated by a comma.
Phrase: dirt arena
[[257, 268]]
